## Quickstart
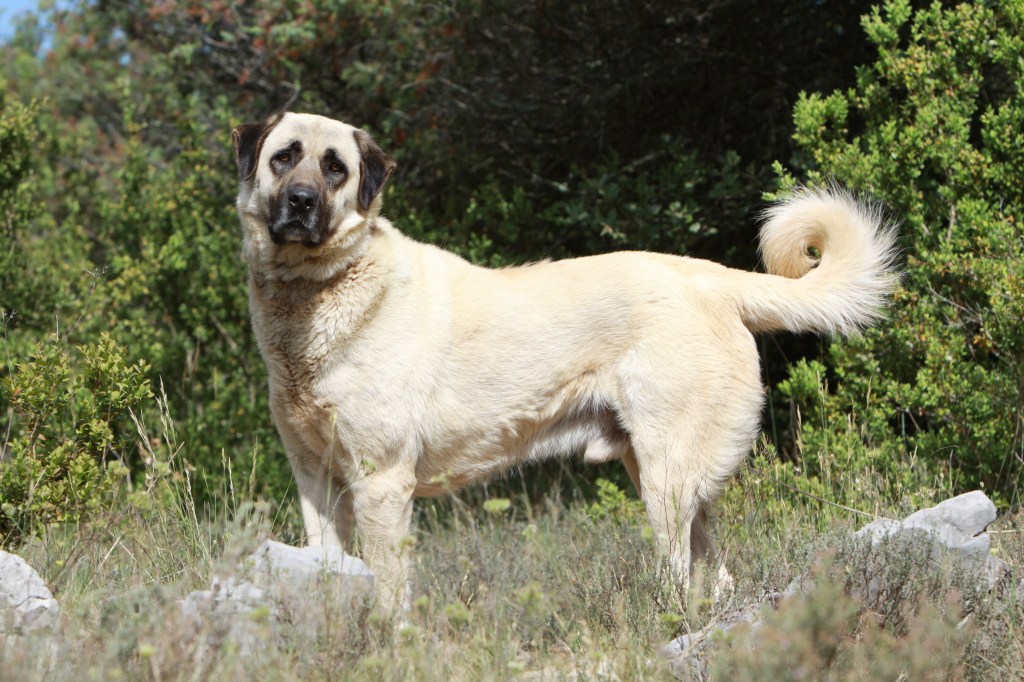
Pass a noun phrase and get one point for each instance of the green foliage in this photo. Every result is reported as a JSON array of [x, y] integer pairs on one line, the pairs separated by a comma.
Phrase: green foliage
[[41, 267], [666, 201], [173, 258], [836, 448], [613, 503], [497, 505], [16, 207], [933, 126], [72, 437], [16, 139], [140, 248], [503, 104]]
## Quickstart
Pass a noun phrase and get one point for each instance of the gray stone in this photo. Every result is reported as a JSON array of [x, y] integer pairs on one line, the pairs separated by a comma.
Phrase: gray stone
[[690, 654], [225, 597], [304, 568], [953, 530], [26, 603], [970, 513], [282, 582]]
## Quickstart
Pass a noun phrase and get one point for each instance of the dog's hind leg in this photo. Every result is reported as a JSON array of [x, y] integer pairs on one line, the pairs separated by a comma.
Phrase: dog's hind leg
[[672, 506], [689, 399], [679, 475], [344, 519], [701, 546], [700, 538], [633, 469], [702, 549]]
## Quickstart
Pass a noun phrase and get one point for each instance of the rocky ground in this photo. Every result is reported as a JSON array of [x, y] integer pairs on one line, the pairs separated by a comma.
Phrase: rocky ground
[[278, 584]]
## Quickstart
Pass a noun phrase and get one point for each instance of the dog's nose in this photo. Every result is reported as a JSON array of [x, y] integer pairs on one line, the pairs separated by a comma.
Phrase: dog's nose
[[302, 199]]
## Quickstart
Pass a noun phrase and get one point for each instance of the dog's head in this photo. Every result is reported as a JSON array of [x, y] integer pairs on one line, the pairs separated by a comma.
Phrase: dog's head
[[309, 184]]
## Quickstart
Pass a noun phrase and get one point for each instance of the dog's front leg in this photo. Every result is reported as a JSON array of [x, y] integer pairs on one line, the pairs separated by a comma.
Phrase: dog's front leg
[[382, 506], [326, 506]]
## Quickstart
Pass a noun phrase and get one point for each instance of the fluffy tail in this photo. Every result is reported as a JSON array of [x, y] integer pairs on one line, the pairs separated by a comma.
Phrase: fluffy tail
[[841, 291]]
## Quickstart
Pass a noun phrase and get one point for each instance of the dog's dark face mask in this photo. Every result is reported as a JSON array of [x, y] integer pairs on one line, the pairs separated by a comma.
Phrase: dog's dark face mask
[[298, 210]]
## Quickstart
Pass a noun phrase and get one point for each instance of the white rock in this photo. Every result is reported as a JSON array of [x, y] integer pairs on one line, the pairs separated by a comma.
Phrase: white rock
[[955, 529], [306, 567], [287, 582], [26, 603], [689, 655], [226, 597], [970, 513]]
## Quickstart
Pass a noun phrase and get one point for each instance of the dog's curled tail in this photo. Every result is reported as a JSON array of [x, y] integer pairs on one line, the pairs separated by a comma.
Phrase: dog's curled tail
[[842, 290]]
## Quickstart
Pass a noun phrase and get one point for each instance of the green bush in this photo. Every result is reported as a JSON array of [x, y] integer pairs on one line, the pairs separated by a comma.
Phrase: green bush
[[174, 289], [613, 503], [144, 249], [73, 436], [45, 275], [668, 201], [933, 127]]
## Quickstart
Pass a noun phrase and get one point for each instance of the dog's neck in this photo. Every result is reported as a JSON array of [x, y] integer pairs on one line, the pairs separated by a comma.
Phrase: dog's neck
[[300, 322]]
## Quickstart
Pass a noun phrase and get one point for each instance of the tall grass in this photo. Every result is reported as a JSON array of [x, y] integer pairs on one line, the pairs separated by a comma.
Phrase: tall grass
[[550, 586]]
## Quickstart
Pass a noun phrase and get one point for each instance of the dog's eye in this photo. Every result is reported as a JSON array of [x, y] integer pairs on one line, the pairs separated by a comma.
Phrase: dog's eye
[[335, 167], [283, 157]]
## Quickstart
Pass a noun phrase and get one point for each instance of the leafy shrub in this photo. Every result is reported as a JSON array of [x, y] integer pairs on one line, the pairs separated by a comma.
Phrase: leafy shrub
[[44, 272], [934, 127], [125, 243], [73, 437], [175, 289], [668, 201], [613, 503], [836, 455]]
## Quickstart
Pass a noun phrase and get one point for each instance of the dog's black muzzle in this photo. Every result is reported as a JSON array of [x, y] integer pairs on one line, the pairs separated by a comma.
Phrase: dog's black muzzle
[[297, 216]]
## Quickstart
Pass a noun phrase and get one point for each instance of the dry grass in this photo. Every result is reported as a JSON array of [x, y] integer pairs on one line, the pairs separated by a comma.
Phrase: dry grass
[[542, 590]]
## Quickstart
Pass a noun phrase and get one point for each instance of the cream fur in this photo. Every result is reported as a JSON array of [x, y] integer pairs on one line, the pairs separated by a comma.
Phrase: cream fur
[[398, 369]]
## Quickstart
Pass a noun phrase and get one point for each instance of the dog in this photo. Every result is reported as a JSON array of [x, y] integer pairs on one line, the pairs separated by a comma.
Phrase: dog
[[398, 369]]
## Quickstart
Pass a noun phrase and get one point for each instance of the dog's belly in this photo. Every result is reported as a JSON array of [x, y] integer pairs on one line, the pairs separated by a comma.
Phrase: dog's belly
[[492, 452]]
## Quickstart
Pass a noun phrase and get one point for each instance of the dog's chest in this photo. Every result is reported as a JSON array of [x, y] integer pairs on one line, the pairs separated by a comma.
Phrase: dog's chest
[[300, 324]]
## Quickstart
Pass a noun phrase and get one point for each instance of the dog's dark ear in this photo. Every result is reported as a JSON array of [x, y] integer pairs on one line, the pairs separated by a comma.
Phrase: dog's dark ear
[[248, 141], [375, 167]]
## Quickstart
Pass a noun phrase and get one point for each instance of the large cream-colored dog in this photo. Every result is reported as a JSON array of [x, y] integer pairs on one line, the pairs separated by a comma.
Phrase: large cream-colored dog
[[399, 370]]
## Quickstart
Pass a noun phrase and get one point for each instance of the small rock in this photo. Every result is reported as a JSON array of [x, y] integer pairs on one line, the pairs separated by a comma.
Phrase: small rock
[[26, 603], [955, 529], [305, 567], [228, 597], [690, 654], [283, 580]]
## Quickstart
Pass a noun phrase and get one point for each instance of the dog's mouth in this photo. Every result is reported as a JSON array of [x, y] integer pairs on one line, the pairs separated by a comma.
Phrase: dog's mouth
[[296, 231]]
